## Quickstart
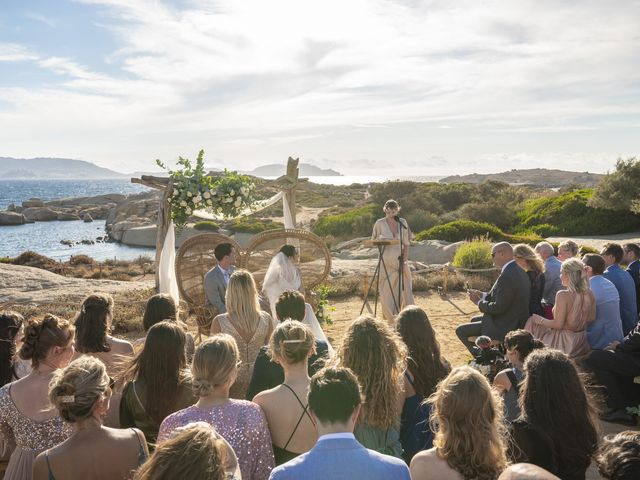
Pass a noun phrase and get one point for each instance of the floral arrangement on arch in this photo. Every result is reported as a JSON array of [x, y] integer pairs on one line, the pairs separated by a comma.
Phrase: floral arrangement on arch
[[193, 189]]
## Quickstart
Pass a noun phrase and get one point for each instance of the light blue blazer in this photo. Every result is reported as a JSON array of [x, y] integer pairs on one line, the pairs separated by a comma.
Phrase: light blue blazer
[[342, 458]]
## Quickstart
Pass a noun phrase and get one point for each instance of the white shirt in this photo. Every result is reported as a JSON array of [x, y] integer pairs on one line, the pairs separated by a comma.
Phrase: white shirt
[[225, 274], [335, 436]]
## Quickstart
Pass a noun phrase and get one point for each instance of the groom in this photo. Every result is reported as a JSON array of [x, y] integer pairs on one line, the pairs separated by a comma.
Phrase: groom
[[216, 279]]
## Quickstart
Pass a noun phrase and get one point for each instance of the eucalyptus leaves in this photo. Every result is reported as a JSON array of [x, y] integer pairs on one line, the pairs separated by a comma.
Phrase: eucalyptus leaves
[[193, 189]]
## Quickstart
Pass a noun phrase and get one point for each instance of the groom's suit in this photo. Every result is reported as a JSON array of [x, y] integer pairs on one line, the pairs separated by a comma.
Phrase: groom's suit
[[215, 287]]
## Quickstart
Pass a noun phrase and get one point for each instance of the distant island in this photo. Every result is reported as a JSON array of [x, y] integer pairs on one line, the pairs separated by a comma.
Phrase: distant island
[[306, 170], [52, 169], [535, 176]]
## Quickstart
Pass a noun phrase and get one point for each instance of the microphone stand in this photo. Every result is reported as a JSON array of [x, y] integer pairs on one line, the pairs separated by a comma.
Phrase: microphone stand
[[400, 263]]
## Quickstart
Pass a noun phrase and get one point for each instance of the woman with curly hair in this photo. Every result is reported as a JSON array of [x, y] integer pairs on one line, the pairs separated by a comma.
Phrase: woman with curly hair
[[10, 325], [376, 354], [425, 368], [557, 429], [469, 441]]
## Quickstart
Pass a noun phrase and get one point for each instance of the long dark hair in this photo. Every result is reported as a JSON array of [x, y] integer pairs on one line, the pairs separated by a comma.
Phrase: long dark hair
[[553, 399], [10, 323], [92, 324], [159, 307], [425, 362], [161, 368]]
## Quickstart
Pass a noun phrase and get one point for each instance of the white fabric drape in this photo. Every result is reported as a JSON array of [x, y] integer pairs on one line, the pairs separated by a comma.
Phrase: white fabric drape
[[261, 205], [167, 267], [288, 215]]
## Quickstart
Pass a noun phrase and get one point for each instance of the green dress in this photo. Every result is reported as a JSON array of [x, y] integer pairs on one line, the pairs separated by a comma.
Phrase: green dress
[[382, 441]]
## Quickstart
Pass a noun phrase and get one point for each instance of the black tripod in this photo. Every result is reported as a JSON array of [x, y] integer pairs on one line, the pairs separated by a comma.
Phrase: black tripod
[[381, 244]]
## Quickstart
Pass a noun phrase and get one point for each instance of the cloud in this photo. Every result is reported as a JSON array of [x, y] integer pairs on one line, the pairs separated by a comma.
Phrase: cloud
[[50, 22], [12, 52]]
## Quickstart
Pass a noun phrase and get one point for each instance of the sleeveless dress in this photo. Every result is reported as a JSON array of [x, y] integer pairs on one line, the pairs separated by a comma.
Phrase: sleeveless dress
[[415, 432], [572, 337], [511, 407], [30, 436], [248, 349], [281, 454]]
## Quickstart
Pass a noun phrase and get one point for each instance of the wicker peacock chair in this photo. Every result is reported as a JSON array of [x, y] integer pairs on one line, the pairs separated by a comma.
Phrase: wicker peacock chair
[[193, 260]]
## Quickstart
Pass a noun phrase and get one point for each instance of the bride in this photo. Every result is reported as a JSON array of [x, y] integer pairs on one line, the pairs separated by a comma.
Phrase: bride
[[283, 274]]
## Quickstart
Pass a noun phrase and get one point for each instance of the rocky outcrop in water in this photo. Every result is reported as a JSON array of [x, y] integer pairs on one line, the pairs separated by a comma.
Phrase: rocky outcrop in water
[[11, 218]]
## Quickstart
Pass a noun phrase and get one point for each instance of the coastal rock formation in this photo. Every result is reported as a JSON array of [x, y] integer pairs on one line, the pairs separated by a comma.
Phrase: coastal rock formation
[[33, 202], [67, 216], [117, 230], [19, 284], [11, 218], [87, 218], [40, 214]]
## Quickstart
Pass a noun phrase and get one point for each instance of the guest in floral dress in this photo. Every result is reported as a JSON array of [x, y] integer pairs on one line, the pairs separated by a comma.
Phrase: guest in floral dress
[[241, 423], [27, 419]]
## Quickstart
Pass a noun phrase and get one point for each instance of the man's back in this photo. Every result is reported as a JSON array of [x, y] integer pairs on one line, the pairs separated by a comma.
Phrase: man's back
[[607, 326], [342, 458], [627, 291]]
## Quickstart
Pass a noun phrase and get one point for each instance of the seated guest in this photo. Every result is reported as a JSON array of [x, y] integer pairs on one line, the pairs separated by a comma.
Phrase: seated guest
[[10, 324], [632, 257], [619, 456], [425, 368], [612, 254], [575, 308], [557, 430], [292, 429], [246, 323], [269, 374], [376, 354], [552, 283], [607, 327], [161, 307], [615, 367], [334, 402], [567, 249], [505, 307], [530, 262], [195, 452], [93, 325], [518, 344], [81, 393], [161, 382], [27, 418], [241, 423], [217, 279], [469, 441], [526, 471]]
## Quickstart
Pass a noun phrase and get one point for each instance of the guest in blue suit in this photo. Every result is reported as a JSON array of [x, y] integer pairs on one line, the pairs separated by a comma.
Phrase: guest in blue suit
[[607, 327], [632, 257], [334, 401], [612, 254]]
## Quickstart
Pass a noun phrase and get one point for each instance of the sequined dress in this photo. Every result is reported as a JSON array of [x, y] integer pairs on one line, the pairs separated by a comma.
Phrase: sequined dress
[[31, 437], [241, 423]]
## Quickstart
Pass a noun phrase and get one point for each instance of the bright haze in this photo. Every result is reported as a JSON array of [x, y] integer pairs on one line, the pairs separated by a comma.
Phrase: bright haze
[[360, 86]]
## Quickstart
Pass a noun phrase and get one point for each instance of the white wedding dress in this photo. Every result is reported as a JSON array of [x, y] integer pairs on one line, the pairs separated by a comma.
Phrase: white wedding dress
[[282, 275]]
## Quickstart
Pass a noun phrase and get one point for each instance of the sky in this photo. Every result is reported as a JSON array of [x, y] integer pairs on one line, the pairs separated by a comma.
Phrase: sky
[[361, 86]]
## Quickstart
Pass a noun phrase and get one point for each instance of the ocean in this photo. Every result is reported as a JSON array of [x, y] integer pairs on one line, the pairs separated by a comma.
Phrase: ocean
[[44, 237]]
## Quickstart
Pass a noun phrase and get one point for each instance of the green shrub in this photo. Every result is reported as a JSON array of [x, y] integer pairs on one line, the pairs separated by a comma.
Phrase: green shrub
[[254, 225], [207, 225], [475, 254], [352, 223], [570, 214], [459, 230], [419, 220]]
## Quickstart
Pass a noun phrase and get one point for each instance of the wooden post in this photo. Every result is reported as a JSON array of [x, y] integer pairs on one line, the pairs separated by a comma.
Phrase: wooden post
[[292, 173], [445, 274]]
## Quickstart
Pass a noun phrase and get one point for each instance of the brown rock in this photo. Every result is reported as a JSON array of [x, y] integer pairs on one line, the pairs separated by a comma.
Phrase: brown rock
[[33, 202], [11, 218], [40, 214]]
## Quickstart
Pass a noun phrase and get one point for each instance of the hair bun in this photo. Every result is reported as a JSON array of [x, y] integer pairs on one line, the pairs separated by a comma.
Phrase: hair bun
[[32, 332], [201, 387]]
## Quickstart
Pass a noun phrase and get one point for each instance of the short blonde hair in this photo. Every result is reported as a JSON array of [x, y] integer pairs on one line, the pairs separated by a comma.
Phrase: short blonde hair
[[214, 361], [75, 389], [292, 341], [467, 418], [569, 246]]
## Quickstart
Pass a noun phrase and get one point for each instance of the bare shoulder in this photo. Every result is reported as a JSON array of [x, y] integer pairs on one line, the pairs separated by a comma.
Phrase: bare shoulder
[[429, 465], [501, 381], [120, 346]]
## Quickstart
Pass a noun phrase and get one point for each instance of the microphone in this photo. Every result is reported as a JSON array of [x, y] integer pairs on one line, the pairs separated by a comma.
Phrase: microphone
[[397, 218]]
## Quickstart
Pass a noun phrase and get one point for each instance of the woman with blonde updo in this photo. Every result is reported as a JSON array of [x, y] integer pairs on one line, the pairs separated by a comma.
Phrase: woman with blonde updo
[[195, 452], [241, 423], [574, 309], [466, 414], [81, 394], [527, 259], [27, 419], [246, 323], [378, 357], [292, 429]]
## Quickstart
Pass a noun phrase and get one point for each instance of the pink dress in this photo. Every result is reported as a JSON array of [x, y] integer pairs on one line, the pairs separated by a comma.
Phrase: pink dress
[[571, 338], [241, 423]]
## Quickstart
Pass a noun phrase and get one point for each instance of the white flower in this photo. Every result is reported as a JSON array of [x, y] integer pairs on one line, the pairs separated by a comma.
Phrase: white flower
[[239, 198], [206, 195], [209, 202], [238, 202], [188, 211], [228, 200], [183, 203], [232, 192], [243, 190], [212, 192], [197, 199], [176, 193], [189, 194]]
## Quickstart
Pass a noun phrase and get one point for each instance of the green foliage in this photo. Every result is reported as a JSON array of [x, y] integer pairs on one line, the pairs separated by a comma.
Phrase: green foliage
[[459, 230], [620, 190], [322, 312], [354, 223], [254, 225], [207, 225], [498, 214], [419, 220], [475, 254], [570, 214]]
